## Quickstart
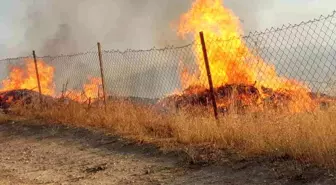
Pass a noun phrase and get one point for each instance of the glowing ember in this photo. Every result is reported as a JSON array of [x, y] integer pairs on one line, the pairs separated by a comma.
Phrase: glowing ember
[[231, 61], [25, 78]]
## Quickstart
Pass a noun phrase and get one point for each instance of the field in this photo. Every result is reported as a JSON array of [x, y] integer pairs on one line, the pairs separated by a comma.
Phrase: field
[[147, 146], [68, 119], [308, 137]]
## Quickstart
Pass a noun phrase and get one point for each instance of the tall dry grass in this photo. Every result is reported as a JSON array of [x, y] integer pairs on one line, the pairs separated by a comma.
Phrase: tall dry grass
[[305, 136], [4, 118]]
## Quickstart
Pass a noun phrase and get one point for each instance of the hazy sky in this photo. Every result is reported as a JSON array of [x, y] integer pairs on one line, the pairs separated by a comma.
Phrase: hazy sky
[[145, 17]]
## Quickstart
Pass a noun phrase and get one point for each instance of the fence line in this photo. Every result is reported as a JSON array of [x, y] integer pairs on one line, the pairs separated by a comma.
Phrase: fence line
[[299, 55]]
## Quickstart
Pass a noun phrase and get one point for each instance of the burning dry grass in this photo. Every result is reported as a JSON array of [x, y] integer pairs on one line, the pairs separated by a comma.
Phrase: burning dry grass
[[305, 136], [309, 137]]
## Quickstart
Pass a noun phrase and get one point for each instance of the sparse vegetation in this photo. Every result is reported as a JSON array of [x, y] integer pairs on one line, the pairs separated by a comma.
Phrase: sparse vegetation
[[308, 137]]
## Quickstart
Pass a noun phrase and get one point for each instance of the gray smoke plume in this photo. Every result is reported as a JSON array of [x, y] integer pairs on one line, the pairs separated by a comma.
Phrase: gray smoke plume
[[57, 27], [60, 26], [65, 27]]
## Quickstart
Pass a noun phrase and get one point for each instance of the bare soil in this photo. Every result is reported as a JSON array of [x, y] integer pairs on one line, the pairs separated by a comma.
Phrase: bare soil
[[34, 153]]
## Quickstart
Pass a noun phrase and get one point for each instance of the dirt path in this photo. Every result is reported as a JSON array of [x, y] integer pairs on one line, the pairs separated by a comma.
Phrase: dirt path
[[43, 154]]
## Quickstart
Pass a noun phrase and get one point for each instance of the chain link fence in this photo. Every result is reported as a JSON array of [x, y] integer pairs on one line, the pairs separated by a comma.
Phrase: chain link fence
[[291, 57]]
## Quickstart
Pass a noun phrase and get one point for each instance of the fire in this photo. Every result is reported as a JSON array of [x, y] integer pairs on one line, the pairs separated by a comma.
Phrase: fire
[[25, 78], [91, 90], [231, 61]]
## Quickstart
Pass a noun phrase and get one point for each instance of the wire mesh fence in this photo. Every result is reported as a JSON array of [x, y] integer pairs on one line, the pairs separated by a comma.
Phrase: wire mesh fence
[[73, 71], [148, 74], [291, 59], [305, 52]]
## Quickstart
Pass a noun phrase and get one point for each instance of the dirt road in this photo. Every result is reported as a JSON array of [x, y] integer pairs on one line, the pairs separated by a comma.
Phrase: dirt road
[[32, 154]]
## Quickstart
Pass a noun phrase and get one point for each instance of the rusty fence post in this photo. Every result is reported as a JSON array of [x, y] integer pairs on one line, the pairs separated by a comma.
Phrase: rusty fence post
[[89, 103], [37, 77], [102, 72], [207, 66]]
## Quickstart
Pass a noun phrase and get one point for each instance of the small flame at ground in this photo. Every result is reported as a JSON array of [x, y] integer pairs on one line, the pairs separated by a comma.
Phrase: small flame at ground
[[91, 90]]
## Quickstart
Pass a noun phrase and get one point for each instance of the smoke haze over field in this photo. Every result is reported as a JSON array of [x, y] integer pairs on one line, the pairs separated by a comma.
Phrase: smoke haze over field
[[73, 26], [62, 26], [57, 27]]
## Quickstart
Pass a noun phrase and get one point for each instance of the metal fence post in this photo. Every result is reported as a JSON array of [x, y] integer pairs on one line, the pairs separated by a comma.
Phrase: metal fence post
[[206, 61], [37, 77], [102, 72]]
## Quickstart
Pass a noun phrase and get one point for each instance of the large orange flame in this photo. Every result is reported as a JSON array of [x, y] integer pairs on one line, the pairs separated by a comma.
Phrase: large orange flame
[[25, 78], [231, 61]]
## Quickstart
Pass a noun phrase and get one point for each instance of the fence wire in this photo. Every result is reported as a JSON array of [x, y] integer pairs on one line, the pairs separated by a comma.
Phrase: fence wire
[[300, 55]]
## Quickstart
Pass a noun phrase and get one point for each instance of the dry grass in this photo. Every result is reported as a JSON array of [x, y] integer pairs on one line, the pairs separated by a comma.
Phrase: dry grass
[[307, 137], [3, 118]]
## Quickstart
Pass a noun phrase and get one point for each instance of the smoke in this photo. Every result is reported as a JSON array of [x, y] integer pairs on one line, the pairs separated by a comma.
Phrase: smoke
[[60, 27], [57, 27], [249, 12]]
